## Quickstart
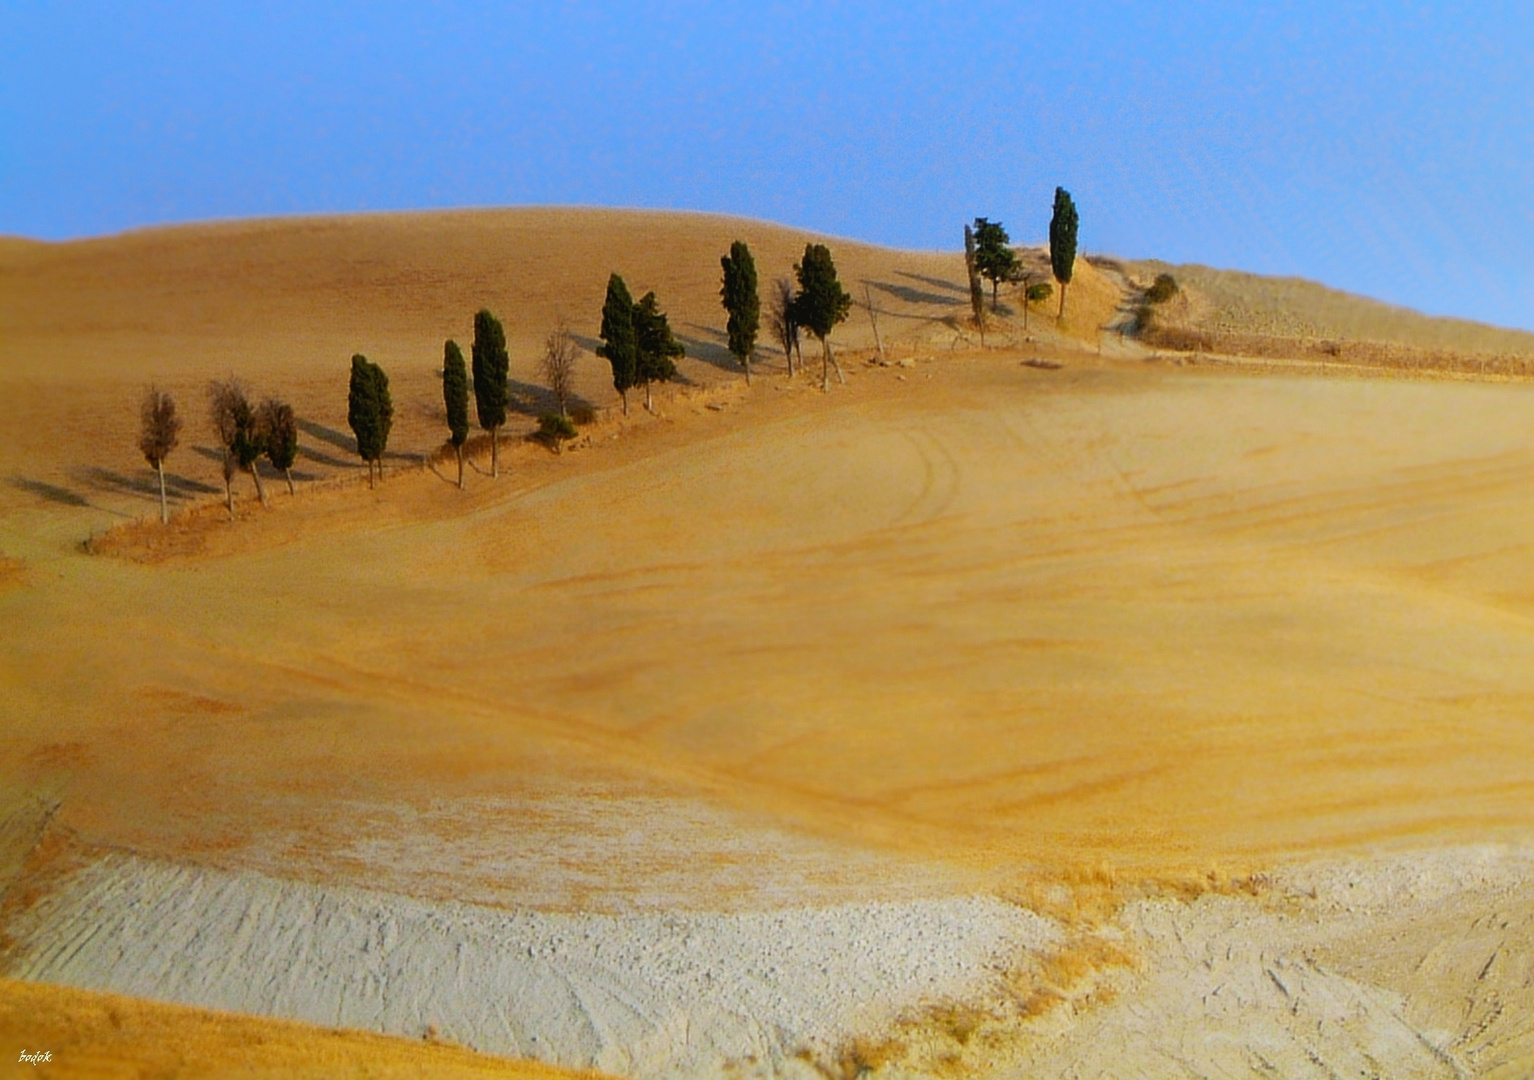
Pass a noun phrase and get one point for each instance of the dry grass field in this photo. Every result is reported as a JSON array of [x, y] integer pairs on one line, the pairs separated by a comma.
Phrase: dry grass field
[[1142, 653]]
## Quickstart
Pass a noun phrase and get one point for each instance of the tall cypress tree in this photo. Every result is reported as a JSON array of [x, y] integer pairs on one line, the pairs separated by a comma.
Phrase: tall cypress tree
[[740, 299], [618, 337], [976, 293], [455, 395], [491, 367], [821, 304], [654, 346], [1062, 242], [362, 411]]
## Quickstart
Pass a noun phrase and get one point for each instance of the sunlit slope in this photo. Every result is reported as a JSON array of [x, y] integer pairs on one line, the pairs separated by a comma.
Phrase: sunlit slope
[[1003, 618], [283, 304], [1231, 301]]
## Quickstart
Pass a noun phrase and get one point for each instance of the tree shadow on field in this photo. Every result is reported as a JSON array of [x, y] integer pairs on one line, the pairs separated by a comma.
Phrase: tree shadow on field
[[52, 492], [146, 486], [912, 296], [339, 439], [937, 283], [712, 350]]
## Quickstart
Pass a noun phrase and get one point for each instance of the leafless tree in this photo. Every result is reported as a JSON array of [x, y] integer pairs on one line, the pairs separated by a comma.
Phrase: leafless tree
[[159, 430], [559, 353], [239, 432], [873, 317], [782, 321]]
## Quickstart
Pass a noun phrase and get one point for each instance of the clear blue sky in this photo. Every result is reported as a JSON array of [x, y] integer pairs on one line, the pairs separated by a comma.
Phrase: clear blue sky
[[1385, 148]]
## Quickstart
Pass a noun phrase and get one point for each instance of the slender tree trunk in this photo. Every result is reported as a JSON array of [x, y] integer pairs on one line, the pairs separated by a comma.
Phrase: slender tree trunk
[[840, 378], [624, 394], [229, 484], [370, 474], [747, 363], [288, 474], [159, 467], [459, 448], [995, 303], [255, 474], [825, 367], [1061, 315], [873, 317], [495, 452], [649, 405]]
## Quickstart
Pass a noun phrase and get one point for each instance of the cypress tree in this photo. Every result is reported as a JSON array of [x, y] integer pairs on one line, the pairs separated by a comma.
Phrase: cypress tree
[[281, 429], [249, 442], [993, 258], [239, 434], [1062, 242], [618, 337], [741, 301], [158, 434], [654, 346], [821, 304], [385, 414], [455, 395], [976, 293], [364, 412], [491, 393]]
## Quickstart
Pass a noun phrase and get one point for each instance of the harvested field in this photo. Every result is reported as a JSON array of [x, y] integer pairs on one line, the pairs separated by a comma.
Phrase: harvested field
[[1096, 668]]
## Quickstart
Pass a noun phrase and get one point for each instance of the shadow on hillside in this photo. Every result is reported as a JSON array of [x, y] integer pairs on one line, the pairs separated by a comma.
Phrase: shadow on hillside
[[52, 492], [937, 283], [339, 439], [146, 485], [912, 296], [712, 348]]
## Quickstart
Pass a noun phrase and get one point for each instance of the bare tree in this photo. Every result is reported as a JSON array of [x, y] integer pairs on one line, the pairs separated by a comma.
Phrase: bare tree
[[559, 353], [239, 431], [158, 434], [783, 322], [873, 317]]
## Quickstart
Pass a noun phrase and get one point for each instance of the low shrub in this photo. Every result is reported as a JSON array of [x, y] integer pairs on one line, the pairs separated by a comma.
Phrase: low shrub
[[555, 428], [1162, 290], [1042, 291]]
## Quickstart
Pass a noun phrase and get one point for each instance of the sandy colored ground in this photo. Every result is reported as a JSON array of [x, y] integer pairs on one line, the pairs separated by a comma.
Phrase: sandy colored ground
[[110, 1037], [1082, 638]]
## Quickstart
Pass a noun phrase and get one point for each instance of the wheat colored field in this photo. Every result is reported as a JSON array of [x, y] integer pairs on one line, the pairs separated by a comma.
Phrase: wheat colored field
[[1079, 634]]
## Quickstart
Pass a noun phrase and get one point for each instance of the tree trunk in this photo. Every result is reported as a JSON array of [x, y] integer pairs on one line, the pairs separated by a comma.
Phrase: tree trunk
[[624, 394], [995, 303], [159, 467], [288, 474], [649, 404], [495, 452], [459, 448], [825, 367], [1061, 315], [842, 379], [255, 474], [873, 317], [370, 474], [747, 363], [229, 485]]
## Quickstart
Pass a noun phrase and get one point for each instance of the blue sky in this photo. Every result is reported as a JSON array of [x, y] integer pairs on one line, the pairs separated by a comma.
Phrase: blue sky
[[1383, 148]]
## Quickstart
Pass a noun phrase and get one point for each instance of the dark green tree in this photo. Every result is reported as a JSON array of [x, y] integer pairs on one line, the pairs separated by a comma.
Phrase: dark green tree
[[976, 293], [1062, 242], [280, 426], [618, 337], [742, 302], [994, 260], [821, 304], [239, 432], [249, 443], [491, 392], [455, 395], [370, 411], [159, 431], [654, 346]]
